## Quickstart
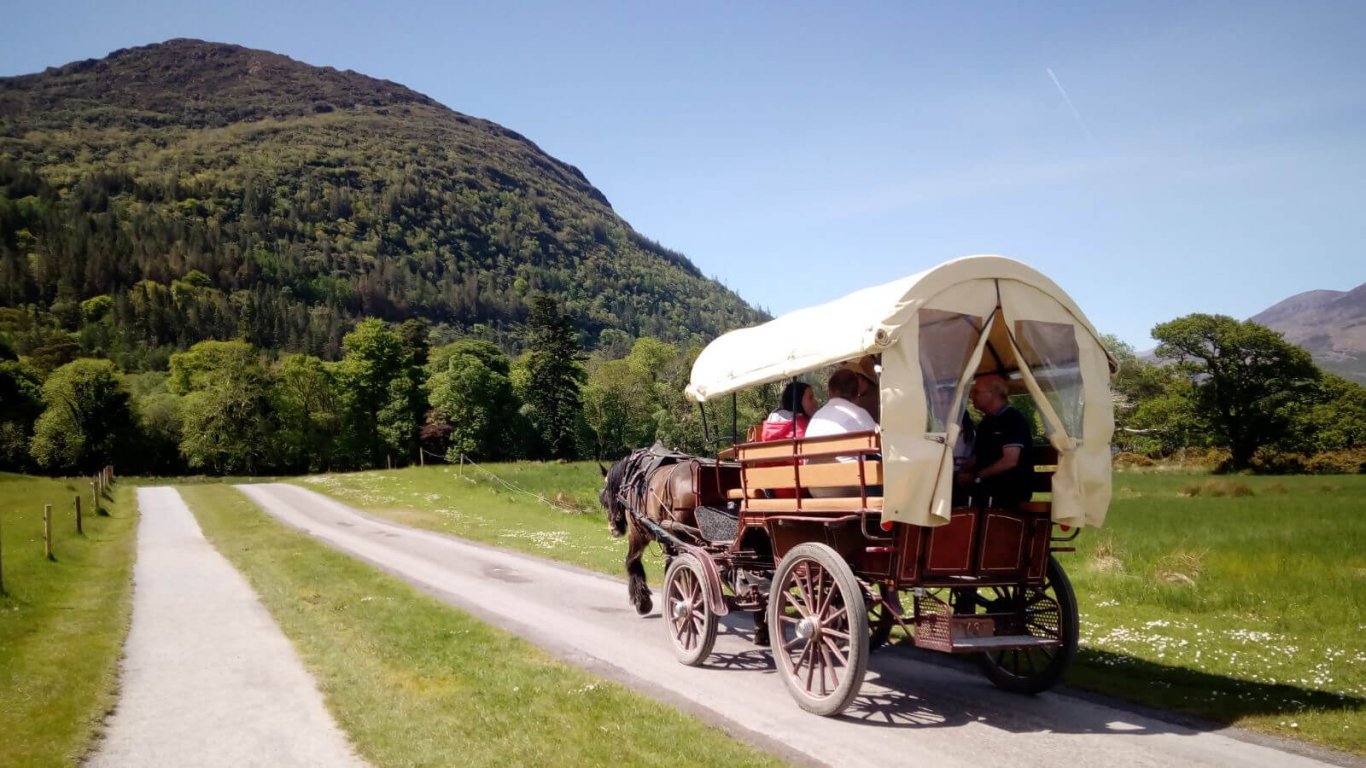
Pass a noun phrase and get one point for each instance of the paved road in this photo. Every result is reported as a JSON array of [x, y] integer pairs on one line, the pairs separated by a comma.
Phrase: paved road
[[208, 679], [910, 712]]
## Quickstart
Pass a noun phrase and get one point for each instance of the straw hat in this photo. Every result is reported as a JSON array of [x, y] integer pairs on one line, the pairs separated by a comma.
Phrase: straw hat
[[864, 367]]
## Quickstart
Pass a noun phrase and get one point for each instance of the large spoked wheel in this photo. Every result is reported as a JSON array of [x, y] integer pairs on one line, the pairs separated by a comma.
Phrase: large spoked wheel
[[1049, 610], [692, 624], [881, 622], [818, 620]]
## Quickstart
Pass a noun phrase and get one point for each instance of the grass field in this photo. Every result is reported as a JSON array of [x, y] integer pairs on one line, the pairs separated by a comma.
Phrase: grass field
[[1237, 600], [1247, 606], [62, 621], [415, 682]]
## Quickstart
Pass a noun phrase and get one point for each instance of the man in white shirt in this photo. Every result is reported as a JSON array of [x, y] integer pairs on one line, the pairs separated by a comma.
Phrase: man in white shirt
[[841, 415]]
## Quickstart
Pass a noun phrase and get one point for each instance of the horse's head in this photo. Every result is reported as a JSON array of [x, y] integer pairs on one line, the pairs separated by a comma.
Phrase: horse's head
[[610, 497]]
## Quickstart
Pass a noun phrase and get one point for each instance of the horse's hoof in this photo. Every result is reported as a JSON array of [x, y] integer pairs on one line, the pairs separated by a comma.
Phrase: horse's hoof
[[761, 637], [645, 606]]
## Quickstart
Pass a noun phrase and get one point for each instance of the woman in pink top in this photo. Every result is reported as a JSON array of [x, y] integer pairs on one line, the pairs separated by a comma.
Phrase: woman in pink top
[[798, 399]]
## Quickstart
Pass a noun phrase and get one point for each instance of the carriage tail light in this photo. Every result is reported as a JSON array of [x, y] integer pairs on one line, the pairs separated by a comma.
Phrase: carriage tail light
[[887, 525], [1065, 528]]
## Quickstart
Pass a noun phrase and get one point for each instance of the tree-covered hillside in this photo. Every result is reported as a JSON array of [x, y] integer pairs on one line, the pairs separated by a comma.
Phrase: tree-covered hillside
[[188, 190]]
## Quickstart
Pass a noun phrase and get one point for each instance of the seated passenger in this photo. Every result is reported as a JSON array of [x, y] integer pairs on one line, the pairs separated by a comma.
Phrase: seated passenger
[[798, 398], [841, 415], [869, 397], [1002, 467]]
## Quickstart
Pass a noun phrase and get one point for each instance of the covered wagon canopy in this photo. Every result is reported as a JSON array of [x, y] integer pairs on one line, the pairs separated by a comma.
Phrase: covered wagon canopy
[[935, 330]]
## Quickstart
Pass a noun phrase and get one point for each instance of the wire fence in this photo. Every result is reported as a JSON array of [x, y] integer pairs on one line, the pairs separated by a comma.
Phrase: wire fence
[[477, 472]]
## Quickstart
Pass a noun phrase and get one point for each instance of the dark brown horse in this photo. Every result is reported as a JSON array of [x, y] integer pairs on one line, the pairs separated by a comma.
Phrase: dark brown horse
[[655, 484]]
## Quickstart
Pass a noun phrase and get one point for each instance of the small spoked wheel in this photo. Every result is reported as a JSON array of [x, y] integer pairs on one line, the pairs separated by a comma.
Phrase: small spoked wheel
[[692, 624], [818, 620], [1048, 610]]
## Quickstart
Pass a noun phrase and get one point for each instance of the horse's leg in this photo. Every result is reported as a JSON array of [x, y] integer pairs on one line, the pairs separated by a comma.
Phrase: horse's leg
[[761, 627], [635, 570]]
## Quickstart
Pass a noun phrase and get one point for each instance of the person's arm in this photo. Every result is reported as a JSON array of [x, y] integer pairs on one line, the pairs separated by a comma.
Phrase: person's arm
[[1010, 458]]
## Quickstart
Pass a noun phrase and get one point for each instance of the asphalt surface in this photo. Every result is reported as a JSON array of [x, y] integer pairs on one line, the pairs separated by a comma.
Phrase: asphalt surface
[[910, 712], [208, 679]]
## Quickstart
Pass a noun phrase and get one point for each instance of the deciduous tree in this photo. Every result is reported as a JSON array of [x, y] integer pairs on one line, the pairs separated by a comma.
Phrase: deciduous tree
[[87, 421], [1246, 378]]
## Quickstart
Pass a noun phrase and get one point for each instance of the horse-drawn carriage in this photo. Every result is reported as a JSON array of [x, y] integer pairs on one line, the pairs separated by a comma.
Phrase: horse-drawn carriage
[[834, 541]]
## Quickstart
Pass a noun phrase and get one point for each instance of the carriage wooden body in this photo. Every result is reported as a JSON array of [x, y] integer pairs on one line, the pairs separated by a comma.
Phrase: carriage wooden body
[[834, 541]]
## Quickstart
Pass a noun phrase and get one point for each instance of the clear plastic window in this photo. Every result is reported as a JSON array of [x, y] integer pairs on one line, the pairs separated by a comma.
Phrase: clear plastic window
[[1050, 351], [947, 340]]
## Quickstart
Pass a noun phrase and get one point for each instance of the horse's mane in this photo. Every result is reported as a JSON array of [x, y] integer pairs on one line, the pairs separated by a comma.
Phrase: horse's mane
[[616, 510], [625, 487]]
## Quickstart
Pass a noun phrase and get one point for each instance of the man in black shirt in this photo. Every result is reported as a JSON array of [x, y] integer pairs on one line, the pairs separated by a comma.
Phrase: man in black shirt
[[1003, 468]]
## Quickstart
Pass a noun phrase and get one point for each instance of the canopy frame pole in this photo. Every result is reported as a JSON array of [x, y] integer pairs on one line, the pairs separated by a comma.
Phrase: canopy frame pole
[[734, 419], [706, 435]]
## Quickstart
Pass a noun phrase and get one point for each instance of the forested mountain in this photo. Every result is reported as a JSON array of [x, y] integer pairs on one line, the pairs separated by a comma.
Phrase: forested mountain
[[190, 190]]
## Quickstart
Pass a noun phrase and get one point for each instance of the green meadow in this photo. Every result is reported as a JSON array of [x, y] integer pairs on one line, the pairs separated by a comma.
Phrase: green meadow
[[62, 621], [1232, 599]]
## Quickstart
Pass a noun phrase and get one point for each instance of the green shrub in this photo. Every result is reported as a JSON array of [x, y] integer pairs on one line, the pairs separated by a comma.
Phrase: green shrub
[[1126, 459], [1205, 458], [1350, 462], [1267, 461]]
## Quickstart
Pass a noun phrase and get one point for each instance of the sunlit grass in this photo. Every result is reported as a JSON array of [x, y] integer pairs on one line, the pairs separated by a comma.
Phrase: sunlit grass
[[552, 509], [415, 682], [62, 621], [1246, 605]]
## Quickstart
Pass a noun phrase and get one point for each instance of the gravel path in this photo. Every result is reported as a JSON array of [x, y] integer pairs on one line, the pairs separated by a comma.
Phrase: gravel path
[[910, 712], [207, 678]]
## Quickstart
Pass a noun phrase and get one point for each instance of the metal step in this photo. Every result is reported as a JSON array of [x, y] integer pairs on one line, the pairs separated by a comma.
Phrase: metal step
[[1001, 642]]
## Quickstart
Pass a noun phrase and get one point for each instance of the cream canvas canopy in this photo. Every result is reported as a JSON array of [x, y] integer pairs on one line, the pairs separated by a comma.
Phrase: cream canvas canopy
[[934, 331]]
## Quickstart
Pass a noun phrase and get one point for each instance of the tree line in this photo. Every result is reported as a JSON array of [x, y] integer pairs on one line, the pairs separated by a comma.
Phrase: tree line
[[1235, 389], [1239, 391]]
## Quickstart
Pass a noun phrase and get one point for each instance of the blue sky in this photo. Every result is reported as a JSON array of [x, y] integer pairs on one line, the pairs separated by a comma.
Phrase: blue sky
[[1154, 158]]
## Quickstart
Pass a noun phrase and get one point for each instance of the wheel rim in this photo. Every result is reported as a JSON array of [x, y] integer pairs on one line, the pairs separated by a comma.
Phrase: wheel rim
[[686, 609], [813, 617]]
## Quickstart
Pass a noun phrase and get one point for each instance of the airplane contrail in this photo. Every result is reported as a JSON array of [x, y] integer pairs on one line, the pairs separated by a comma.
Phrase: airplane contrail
[[1075, 112]]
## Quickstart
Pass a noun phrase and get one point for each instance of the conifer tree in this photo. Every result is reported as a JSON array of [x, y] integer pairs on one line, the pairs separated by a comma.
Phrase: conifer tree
[[554, 374]]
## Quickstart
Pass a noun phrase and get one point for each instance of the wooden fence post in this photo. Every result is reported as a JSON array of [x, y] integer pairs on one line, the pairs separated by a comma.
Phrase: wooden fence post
[[94, 498], [2, 562], [47, 530], [79, 528]]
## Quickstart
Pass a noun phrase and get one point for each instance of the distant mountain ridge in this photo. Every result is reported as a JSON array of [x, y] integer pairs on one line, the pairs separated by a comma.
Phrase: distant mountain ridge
[[1331, 325], [212, 191]]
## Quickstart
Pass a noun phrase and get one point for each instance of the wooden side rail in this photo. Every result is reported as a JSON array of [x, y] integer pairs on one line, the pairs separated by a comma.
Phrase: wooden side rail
[[832, 475], [776, 473], [865, 443]]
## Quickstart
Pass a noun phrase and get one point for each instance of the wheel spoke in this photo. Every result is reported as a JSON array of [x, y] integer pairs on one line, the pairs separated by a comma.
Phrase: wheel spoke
[[808, 653], [826, 666], [828, 583], [799, 597], [840, 654]]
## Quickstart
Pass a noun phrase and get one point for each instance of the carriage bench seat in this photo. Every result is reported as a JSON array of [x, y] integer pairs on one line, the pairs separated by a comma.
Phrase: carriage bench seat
[[780, 475], [772, 473]]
